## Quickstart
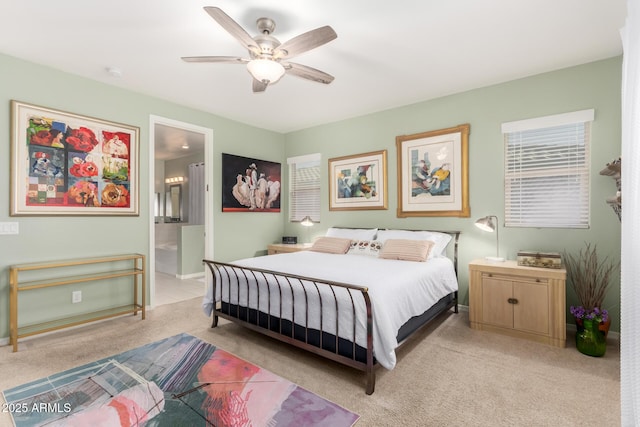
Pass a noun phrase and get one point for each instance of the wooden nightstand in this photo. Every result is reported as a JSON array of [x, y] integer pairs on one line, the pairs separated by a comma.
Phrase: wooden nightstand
[[283, 248], [524, 302]]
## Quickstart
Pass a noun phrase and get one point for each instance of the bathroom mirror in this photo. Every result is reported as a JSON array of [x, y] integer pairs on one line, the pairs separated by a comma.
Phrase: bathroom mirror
[[167, 207], [157, 207], [173, 203]]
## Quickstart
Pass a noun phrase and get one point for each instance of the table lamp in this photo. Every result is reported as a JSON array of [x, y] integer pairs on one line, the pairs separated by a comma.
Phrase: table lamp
[[307, 222], [487, 224]]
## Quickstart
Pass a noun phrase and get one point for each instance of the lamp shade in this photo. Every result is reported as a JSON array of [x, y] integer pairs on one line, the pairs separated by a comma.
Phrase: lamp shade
[[265, 70], [486, 224], [307, 221]]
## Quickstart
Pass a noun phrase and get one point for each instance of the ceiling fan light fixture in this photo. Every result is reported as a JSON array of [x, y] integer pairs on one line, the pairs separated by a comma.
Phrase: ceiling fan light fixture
[[265, 70], [266, 51]]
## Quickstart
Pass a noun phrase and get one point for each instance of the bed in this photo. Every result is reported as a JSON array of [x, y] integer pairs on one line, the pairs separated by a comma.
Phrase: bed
[[354, 298]]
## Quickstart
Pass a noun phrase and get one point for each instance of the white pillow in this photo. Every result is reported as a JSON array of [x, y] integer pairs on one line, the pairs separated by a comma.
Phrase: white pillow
[[441, 240], [365, 247], [352, 233]]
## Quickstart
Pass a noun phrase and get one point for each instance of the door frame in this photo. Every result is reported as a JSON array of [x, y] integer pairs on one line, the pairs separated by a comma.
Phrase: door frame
[[208, 210]]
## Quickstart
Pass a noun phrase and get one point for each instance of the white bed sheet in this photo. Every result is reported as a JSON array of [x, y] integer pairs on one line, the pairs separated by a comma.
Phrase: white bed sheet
[[399, 290]]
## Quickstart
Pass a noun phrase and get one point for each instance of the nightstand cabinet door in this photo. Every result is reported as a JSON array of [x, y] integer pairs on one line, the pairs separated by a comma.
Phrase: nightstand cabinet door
[[496, 309], [519, 304], [531, 310]]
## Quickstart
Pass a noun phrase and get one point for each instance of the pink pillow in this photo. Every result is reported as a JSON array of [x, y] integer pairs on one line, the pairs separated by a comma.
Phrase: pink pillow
[[407, 250], [331, 245]]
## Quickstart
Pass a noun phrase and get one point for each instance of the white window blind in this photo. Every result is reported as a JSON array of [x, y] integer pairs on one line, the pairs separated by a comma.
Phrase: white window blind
[[547, 171], [304, 187]]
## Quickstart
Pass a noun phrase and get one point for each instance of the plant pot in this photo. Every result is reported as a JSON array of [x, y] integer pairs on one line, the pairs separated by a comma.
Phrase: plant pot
[[590, 340], [602, 326]]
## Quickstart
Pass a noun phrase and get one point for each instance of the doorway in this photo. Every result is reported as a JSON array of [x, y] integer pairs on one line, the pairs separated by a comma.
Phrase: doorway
[[174, 139]]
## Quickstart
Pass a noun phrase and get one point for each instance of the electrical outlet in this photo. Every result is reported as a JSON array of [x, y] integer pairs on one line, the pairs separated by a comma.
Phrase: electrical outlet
[[76, 296]]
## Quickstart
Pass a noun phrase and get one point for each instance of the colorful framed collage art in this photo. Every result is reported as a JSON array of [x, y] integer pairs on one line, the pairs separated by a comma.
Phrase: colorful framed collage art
[[68, 164]]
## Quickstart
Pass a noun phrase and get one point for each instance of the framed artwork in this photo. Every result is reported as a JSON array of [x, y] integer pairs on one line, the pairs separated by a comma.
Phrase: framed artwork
[[68, 164], [250, 185], [433, 173], [358, 182]]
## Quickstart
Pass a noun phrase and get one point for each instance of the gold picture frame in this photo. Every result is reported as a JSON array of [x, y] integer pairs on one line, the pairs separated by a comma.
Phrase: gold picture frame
[[358, 182], [67, 164], [433, 173]]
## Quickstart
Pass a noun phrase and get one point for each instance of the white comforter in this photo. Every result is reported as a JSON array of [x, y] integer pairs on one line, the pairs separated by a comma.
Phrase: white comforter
[[398, 290]]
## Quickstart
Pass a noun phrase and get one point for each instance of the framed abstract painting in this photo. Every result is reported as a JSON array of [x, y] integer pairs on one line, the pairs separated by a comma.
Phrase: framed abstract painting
[[433, 173], [358, 182], [67, 164]]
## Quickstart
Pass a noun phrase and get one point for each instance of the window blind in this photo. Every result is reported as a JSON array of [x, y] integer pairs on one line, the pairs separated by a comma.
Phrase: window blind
[[304, 187], [547, 171]]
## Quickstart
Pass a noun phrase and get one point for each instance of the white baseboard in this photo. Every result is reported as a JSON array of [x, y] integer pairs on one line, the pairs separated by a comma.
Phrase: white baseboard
[[463, 307], [190, 276], [570, 327]]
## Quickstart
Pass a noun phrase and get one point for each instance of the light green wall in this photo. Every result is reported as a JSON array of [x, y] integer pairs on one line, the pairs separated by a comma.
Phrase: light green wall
[[239, 235], [235, 235], [595, 85]]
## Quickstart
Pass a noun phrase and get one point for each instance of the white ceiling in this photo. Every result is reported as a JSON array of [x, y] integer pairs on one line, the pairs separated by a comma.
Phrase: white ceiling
[[172, 143], [387, 53]]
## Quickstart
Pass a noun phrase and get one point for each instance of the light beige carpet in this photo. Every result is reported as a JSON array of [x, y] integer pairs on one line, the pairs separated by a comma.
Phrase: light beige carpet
[[449, 375]]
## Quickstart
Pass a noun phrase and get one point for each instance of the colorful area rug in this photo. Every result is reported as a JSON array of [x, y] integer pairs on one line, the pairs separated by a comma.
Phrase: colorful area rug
[[178, 381]]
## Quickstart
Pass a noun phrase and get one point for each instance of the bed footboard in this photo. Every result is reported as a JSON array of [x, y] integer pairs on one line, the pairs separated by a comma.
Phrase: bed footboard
[[298, 310]]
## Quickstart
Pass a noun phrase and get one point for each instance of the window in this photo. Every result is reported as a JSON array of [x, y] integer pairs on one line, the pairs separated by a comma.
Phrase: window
[[547, 171], [304, 187]]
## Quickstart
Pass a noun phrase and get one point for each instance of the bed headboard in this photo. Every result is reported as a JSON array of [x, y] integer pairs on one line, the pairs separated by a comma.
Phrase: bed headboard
[[454, 234]]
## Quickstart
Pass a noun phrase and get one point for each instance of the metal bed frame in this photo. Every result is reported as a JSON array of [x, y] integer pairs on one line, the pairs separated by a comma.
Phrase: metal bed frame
[[233, 278]]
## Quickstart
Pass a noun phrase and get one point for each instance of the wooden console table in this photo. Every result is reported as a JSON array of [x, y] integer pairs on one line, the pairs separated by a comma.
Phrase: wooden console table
[[17, 284]]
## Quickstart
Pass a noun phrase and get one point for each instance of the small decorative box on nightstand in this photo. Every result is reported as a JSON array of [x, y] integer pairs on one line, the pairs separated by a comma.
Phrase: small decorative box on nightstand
[[283, 248], [524, 302], [539, 259]]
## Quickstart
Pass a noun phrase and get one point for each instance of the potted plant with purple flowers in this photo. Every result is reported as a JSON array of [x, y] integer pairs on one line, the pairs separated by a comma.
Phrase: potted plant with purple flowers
[[590, 278], [590, 340]]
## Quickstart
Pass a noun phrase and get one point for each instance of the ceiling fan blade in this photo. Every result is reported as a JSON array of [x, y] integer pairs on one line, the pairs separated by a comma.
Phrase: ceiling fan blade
[[233, 28], [259, 86], [222, 59], [308, 73], [305, 42]]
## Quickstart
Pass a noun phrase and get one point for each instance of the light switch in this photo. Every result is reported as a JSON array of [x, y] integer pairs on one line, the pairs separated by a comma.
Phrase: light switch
[[9, 228]]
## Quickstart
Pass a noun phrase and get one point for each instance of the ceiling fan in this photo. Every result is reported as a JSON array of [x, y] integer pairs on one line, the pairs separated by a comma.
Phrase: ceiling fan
[[269, 59]]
